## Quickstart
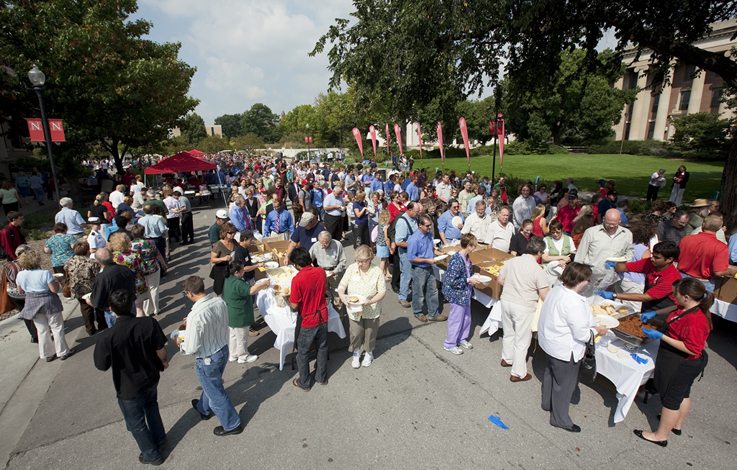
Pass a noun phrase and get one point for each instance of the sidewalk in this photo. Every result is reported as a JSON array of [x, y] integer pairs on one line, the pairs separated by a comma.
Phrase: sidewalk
[[25, 378]]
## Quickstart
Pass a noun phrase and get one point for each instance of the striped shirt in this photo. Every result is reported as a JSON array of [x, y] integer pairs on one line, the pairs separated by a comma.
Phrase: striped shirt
[[207, 328]]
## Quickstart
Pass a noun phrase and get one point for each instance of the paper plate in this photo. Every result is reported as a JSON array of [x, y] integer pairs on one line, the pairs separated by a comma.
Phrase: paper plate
[[437, 241], [357, 305], [483, 279], [456, 220], [620, 259], [441, 257], [606, 320]]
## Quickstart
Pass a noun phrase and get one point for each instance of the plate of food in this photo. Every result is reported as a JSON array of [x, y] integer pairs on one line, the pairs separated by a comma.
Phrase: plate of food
[[355, 303], [437, 241], [58, 275], [617, 259], [269, 265], [606, 320]]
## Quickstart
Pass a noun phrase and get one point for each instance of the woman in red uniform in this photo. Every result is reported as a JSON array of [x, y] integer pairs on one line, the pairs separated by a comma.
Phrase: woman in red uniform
[[681, 357]]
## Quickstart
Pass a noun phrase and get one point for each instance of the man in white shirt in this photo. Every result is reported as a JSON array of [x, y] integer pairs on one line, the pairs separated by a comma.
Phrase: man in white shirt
[[207, 340], [444, 189], [117, 197], [500, 232], [477, 223], [608, 240]]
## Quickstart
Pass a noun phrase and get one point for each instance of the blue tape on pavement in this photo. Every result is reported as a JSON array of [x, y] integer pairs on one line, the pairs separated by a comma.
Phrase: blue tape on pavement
[[496, 420]]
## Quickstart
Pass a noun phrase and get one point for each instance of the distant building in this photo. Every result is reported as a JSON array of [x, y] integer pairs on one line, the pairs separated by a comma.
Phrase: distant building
[[211, 130], [649, 116]]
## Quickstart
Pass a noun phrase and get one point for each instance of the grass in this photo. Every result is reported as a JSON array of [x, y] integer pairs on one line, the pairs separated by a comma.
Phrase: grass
[[631, 172]]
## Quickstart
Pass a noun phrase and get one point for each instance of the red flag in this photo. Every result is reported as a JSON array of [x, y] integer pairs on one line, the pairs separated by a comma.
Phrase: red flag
[[310, 139], [501, 142], [36, 130], [440, 140], [372, 131], [387, 140], [398, 132], [419, 136], [56, 129], [307, 139], [464, 133], [359, 140]]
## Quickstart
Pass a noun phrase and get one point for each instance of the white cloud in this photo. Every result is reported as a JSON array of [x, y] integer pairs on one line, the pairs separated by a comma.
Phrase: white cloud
[[248, 51]]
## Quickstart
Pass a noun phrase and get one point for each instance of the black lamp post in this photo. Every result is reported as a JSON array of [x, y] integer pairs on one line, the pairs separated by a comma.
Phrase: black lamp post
[[496, 137], [307, 130], [38, 79]]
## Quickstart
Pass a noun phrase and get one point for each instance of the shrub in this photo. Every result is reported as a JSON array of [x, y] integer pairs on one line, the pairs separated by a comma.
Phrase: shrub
[[633, 147]]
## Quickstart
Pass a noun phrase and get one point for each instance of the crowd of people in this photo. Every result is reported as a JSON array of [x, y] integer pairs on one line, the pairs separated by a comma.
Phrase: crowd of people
[[112, 263]]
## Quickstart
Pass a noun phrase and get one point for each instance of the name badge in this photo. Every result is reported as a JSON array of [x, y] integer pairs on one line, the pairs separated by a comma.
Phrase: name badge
[[314, 240]]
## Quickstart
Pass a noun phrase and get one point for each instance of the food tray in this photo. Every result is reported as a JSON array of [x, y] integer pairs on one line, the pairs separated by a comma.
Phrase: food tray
[[628, 338], [278, 275]]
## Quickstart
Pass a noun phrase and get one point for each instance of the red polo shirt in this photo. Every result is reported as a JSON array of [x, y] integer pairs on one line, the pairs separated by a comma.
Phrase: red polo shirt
[[692, 329], [702, 254], [661, 281], [566, 216], [308, 291]]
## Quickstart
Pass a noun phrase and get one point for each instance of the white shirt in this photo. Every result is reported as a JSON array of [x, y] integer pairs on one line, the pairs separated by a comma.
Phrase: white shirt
[[116, 198], [207, 328], [523, 209], [597, 245], [95, 240], [499, 237], [477, 226], [565, 324]]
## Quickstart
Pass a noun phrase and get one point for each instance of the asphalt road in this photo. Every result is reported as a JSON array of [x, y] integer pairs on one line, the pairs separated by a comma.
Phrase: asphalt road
[[417, 406]]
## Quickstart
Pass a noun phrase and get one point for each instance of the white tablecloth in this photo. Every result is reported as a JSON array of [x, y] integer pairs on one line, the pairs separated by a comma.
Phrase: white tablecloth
[[626, 374], [283, 320], [724, 310]]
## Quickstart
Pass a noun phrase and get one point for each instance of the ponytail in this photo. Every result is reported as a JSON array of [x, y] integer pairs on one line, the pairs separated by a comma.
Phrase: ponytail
[[696, 290], [705, 304]]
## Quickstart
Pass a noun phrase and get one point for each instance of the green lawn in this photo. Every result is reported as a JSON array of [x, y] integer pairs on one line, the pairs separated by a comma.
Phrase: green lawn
[[631, 172]]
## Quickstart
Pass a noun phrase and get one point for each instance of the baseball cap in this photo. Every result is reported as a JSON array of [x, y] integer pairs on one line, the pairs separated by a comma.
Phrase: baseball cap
[[307, 217], [572, 194], [222, 214], [305, 182], [601, 183], [93, 220], [247, 235]]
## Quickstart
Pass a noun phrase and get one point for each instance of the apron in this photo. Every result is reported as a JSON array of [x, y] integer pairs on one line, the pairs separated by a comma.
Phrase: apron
[[656, 304], [669, 360]]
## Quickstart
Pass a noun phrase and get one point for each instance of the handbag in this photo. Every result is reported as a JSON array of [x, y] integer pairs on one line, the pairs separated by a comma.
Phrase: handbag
[[588, 368]]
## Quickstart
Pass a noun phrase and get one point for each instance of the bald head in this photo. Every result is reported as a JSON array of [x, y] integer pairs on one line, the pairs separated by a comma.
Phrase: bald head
[[612, 218]]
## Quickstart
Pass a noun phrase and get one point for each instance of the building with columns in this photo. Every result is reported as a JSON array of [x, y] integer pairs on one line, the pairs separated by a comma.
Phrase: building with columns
[[691, 91]]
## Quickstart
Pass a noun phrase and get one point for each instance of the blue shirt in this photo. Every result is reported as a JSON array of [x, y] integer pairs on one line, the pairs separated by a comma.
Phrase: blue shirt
[[487, 187], [406, 183], [285, 222], [623, 216], [72, 219], [154, 226], [307, 238], [376, 185], [402, 230], [420, 246], [414, 193], [61, 248], [240, 218], [388, 186], [733, 249], [472, 204], [445, 226], [317, 196]]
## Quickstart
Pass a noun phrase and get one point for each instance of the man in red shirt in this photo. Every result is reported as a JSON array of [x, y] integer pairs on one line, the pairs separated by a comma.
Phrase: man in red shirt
[[11, 236], [308, 298], [567, 213], [660, 274], [703, 256]]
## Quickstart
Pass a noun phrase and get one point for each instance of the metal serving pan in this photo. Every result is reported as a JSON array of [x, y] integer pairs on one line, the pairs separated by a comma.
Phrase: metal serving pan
[[634, 340]]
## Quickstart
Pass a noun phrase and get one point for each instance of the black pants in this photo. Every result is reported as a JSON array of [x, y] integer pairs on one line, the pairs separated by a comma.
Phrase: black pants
[[174, 231], [362, 235], [652, 192], [334, 225], [187, 228], [396, 271], [559, 382], [90, 315], [307, 336]]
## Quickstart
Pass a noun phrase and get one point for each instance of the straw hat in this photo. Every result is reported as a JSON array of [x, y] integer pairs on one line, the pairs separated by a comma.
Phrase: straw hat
[[700, 203]]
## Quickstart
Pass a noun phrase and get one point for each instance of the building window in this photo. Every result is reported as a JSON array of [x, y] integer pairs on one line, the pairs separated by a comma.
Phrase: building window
[[688, 72], [651, 130], [716, 97], [656, 102], [685, 98]]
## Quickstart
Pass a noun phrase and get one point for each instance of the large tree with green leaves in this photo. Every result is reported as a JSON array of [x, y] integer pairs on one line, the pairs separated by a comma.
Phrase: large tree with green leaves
[[407, 49], [261, 121], [193, 128], [109, 84], [231, 124]]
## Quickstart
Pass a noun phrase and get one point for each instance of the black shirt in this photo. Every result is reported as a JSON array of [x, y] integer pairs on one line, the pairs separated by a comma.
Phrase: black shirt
[[99, 211], [110, 279], [252, 207], [244, 256], [518, 244], [129, 347], [307, 238]]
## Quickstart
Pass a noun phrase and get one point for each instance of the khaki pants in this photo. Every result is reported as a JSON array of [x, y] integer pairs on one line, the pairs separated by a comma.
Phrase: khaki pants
[[151, 306], [517, 325], [238, 343], [364, 331], [45, 325]]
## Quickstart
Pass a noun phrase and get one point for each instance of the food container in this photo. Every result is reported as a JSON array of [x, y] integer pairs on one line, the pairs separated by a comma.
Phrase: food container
[[282, 276], [634, 340]]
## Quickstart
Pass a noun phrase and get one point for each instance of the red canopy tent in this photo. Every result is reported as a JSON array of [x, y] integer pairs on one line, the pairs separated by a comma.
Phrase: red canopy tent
[[182, 162], [196, 152]]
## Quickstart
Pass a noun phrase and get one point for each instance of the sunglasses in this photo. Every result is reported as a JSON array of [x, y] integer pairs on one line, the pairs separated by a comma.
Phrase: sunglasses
[[232, 233]]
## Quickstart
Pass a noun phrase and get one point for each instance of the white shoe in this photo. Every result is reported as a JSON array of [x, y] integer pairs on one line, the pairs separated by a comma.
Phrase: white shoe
[[367, 359], [455, 350], [249, 358], [466, 345], [232, 359], [356, 360]]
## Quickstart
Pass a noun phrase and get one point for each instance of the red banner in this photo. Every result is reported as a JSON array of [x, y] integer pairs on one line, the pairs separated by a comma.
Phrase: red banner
[[464, 134], [372, 132], [56, 129], [359, 140], [310, 139], [387, 141], [501, 142], [36, 130], [306, 139], [398, 132], [440, 140], [419, 137], [492, 127]]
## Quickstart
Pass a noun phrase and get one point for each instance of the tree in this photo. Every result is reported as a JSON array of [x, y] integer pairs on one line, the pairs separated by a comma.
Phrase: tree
[[193, 128], [248, 142], [406, 49], [703, 132], [261, 121], [231, 124], [213, 144]]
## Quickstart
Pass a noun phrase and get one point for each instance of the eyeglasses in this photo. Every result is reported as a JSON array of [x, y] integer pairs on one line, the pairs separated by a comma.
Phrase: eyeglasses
[[363, 261], [427, 225], [231, 233]]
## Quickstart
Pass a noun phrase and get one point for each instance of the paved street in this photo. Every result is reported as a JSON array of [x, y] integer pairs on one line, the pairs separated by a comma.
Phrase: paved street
[[417, 406]]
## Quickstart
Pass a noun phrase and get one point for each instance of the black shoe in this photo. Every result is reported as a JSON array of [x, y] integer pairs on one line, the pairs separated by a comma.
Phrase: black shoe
[[65, 357], [574, 428], [638, 433], [155, 463], [219, 431], [202, 415], [34, 340]]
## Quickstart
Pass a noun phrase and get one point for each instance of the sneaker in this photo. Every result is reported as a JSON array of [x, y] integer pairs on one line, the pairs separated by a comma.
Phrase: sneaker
[[367, 359], [466, 345], [232, 359], [250, 358], [455, 350], [356, 363]]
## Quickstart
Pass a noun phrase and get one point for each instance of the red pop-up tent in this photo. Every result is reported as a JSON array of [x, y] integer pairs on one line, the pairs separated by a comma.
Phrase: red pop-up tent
[[196, 152], [182, 162]]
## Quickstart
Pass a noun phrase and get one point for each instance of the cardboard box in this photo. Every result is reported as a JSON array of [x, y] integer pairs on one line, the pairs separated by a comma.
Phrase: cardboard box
[[270, 239], [279, 245], [493, 253], [493, 289], [726, 290]]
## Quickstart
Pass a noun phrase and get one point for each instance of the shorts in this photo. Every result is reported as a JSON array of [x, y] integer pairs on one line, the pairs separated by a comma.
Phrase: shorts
[[680, 386], [382, 251]]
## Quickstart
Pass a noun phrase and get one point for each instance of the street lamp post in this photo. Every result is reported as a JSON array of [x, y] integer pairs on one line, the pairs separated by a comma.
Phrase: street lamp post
[[624, 132], [496, 138], [38, 79], [307, 130]]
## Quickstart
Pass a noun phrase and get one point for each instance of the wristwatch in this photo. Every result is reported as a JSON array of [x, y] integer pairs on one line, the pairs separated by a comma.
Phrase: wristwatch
[[614, 296]]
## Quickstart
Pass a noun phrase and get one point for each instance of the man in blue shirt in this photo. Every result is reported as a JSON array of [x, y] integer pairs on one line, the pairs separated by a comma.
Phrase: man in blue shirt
[[414, 193], [367, 179], [279, 222], [733, 249], [403, 229], [421, 253], [376, 184], [318, 194], [239, 215], [448, 232], [70, 217], [389, 186]]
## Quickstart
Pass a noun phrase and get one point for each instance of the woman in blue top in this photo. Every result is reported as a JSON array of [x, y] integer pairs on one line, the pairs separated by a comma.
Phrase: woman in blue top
[[60, 246], [457, 288], [361, 221]]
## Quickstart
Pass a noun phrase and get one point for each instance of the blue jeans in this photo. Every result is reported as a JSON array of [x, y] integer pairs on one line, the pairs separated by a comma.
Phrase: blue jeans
[[143, 420], [424, 290], [214, 398], [406, 276], [709, 285], [38, 193]]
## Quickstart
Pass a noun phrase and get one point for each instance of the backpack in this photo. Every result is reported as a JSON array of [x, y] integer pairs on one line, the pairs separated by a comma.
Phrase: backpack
[[392, 230]]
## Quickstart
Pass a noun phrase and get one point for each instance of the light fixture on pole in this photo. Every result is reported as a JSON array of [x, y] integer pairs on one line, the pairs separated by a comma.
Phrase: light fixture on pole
[[38, 79]]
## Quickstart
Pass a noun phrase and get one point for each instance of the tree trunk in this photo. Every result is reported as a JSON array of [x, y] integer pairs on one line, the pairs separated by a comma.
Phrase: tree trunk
[[729, 189]]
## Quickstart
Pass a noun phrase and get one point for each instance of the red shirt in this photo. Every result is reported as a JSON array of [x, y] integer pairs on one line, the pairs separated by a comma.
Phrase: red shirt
[[566, 215], [394, 211], [109, 208], [537, 230], [692, 329], [661, 281], [603, 192], [702, 254], [308, 291], [11, 239]]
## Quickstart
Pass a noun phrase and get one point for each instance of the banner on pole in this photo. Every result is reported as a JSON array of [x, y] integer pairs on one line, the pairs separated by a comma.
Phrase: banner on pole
[[398, 132], [419, 137], [440, 141], [306, 139], [387, 141], [464, 134], [372, 132], [36, 130], [359, 139]]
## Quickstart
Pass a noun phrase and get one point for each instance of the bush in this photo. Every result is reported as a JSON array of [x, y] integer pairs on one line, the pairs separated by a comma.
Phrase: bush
[[633, 147]]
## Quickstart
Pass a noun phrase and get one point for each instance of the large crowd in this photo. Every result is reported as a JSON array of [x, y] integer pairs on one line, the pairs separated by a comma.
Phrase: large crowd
[[111, 263]]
